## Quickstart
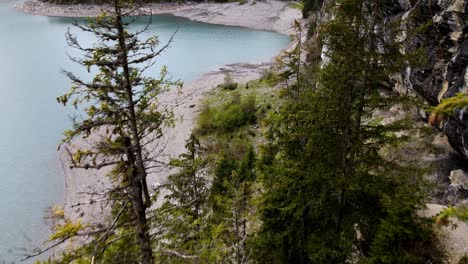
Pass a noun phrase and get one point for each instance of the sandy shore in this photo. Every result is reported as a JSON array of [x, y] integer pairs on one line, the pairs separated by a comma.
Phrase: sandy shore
[[85, 189], [263, 15]]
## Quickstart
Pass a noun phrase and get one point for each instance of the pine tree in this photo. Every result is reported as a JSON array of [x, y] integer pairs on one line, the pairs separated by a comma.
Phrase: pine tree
[[332, 195], [183, 215], [239, 209], [122, 123]]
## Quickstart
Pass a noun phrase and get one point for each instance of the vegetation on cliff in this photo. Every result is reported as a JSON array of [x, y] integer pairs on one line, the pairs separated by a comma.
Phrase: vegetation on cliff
[[331, 195], [291, 168], [120, 125]]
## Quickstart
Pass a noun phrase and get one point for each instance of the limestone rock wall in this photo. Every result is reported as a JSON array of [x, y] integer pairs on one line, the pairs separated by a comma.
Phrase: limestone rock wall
[[446, 49], [446, 46]]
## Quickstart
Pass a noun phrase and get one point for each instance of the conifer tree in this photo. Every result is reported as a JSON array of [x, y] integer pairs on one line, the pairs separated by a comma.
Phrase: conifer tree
[[203, 225], [121, 125], [331, 195], [238, 210], [183, 216]]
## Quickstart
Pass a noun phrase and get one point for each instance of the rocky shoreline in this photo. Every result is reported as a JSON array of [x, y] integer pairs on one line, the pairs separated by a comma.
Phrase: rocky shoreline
[[85, 189], [268, 15]]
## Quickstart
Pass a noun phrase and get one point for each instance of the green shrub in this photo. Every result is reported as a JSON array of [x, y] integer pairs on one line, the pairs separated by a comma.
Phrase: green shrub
[[447, 106], [235, 113], [270, 76], [205, 121], [229, 86], [297, 5], [230, 117], [229, 83]]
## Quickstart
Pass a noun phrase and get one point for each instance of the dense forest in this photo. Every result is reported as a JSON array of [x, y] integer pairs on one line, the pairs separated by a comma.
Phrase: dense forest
[[309, 172]]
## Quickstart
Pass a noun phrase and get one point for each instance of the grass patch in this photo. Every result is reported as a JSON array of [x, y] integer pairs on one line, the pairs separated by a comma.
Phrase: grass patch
[[231, 120], [297, 5], [235, 113], [270, 78]]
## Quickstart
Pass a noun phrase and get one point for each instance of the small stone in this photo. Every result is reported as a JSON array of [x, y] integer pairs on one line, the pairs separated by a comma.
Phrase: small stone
[[459, 178]]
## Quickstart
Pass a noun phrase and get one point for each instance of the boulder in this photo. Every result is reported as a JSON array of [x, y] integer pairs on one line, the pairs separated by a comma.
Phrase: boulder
[[459, 178], [452, 237]]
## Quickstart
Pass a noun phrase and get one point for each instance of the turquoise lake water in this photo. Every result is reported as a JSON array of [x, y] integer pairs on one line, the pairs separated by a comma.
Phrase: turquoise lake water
[[32, 52]]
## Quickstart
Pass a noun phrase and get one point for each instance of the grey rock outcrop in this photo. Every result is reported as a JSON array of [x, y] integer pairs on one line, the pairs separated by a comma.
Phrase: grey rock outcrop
[[445, 42], [446, 46], [459, 178]]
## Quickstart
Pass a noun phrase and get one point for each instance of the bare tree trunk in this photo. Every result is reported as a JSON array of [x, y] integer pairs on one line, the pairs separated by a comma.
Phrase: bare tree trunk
[[139, 209], [138, 183]]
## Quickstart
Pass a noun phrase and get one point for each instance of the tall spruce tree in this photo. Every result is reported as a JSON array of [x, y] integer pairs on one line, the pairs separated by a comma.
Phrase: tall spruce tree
[[238, 210], [199, 224], [121, 125], [332, 196], [183, 217]]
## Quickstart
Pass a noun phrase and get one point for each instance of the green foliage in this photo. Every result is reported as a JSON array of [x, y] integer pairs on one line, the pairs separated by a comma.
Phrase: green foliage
[[201, 224], [231, 219], [123, 250], [224, 169], [66, 230], [297, 5], [447, 106], [463, 260], [403, 229], [330, 193], [327, 187], [231, 199], [270, 77], [121, 120], [184, 214], [229, 116], [460, 213], [229, 83]]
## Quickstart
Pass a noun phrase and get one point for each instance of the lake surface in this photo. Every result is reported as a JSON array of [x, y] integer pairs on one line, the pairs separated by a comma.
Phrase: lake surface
[[32, 52]]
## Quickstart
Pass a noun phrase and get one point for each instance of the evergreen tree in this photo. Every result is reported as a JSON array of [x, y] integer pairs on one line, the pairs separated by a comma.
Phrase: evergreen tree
[[121, 124], [239, 209], [183, 216], [203, 225], [331, 195], [224, 169]]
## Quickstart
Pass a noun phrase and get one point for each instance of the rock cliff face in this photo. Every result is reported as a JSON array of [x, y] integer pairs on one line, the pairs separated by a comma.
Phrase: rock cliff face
[[446, 45], [444, 75], [443, 36]]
